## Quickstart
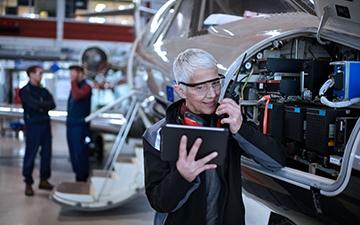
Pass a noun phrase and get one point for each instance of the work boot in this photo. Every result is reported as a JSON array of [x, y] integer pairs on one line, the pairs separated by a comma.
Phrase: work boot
[[45, 185], [29, 190]]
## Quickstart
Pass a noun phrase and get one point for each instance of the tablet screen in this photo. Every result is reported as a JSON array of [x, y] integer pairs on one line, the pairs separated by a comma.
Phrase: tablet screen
[[214, 139]]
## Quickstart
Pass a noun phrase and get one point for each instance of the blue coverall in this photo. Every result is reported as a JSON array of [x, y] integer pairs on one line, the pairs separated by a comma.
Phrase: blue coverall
[[78, 108], [37, 101]]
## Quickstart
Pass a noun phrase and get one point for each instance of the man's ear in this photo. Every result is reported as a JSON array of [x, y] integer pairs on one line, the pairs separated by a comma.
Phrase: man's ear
[[179, 90]]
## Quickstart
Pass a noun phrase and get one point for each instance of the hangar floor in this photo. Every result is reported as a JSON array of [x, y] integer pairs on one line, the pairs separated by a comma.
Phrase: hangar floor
[[16, 208]]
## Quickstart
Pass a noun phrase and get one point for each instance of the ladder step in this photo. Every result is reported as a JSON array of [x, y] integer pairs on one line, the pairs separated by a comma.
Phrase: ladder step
[[126, 159], [79, 188], [101, 173]]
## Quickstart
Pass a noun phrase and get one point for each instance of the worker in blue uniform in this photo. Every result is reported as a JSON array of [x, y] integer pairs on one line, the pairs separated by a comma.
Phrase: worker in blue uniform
[[36, 101], [78, 108]]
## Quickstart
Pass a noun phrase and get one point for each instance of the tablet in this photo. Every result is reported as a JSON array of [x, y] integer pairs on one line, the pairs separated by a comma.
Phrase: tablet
[[214, 139]]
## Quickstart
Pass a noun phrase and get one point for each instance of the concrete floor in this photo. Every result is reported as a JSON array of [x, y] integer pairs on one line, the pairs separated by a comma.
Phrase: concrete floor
[[17, 209]]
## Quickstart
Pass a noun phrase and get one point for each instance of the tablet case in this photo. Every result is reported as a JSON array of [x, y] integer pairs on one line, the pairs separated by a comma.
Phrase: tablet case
[[214, 139]]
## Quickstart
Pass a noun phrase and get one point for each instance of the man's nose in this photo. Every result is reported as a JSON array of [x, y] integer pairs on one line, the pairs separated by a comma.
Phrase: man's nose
[[211, 92]]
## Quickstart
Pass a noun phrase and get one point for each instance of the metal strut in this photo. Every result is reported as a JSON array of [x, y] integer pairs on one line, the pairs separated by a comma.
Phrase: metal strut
[[323, 21], [119, 142]]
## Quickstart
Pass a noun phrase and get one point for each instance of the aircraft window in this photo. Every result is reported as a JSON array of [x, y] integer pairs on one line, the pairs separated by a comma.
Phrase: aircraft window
[[180, 24], [215, 12]]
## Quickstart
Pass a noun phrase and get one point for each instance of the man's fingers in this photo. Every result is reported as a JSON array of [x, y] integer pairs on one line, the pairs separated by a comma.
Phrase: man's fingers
[[194, 149], [227, 120], [207, 158], [227, 108], [182, 148], [205, 167], [229, 100]]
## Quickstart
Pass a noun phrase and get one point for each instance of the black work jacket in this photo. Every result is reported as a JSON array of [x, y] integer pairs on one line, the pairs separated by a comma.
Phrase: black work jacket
[[36, 101], [179, 202]]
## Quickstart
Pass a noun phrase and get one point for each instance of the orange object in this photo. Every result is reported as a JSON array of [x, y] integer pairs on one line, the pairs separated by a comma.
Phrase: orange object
[[266, 98]]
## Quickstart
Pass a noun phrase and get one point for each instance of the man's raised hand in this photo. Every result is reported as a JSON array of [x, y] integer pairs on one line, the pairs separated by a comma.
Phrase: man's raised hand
[[187, 166]]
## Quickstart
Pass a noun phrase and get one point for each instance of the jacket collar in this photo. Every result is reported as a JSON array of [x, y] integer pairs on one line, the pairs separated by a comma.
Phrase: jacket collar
[[175, 112]]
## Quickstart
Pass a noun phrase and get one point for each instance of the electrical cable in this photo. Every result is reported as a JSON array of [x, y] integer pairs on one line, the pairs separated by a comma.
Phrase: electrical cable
[[232, 87], [341, 104], [243, 87]]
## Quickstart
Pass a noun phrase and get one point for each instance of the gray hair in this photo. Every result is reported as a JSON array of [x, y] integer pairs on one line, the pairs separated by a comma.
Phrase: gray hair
[[190, 60]]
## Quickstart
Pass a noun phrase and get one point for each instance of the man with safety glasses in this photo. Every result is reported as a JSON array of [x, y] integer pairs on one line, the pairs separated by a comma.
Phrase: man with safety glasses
[[191, 191]]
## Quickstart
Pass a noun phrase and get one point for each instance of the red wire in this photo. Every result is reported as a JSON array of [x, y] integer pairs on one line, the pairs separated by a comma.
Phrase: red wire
[[265, 121]]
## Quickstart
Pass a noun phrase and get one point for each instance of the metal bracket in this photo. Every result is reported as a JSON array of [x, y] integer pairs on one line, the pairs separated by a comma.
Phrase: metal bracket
[[324, 19], [316, 199]]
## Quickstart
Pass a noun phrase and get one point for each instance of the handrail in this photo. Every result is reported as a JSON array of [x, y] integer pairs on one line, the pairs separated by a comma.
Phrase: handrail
[[119, 145], [108, 106], [119, 135]]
